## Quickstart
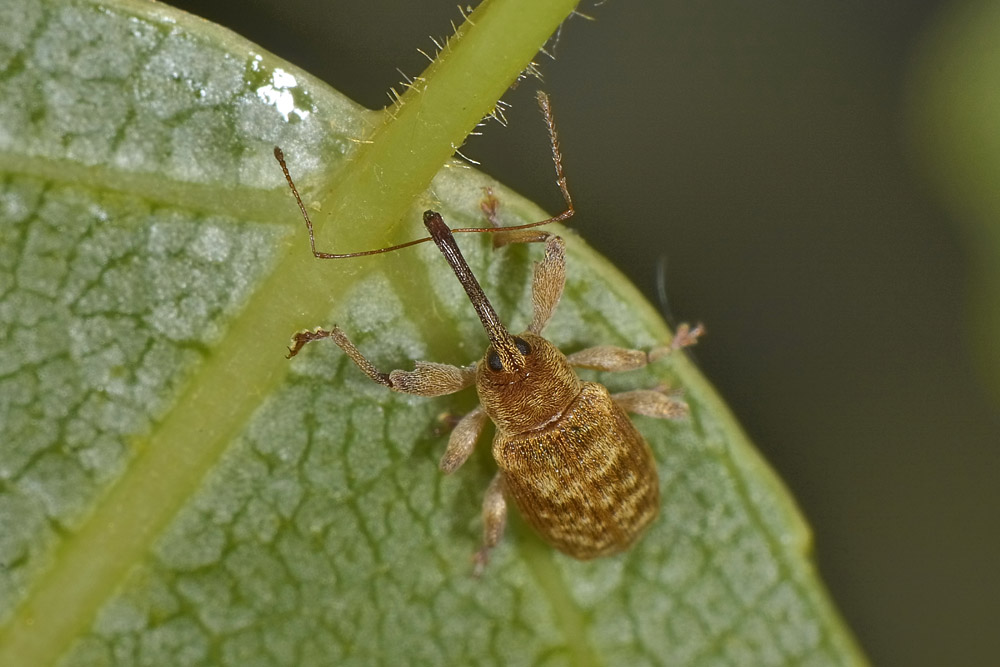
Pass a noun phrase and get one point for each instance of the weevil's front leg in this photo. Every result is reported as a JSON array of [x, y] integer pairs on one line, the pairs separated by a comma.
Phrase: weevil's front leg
[[426, 379], [651, 403], [547, 284], [550, 273], [494, 523], [463, 440], [490, 206], [611, 358]]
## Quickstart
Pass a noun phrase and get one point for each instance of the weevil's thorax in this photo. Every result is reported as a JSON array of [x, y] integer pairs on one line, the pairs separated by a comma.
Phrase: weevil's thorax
[[532, 396]]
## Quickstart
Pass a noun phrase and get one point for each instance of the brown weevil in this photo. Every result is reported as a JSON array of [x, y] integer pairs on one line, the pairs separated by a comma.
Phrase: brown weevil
[[568, 454]]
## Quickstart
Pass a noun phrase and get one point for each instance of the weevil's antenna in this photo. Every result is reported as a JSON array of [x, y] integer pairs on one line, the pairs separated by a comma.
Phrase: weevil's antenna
[[546, 106], [280, 157], [550, 125]]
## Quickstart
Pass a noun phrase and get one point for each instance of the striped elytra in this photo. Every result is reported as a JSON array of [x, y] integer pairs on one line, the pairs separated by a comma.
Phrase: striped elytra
[[587, 482]]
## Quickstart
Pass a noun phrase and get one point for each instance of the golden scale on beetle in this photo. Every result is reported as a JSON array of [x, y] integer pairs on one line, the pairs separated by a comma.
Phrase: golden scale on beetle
[[568, 454]]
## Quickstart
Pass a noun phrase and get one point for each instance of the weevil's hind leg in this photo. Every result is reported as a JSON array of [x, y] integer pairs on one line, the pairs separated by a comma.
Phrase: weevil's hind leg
[[494, 523], [426, 379], [611, 358], [651, 403], [463, 440]]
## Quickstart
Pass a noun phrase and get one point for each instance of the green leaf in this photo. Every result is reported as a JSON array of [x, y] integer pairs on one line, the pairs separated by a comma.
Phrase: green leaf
[[173, 491]]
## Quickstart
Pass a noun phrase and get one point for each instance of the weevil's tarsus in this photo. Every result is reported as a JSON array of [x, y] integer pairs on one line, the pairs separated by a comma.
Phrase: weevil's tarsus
[[494, 523], [684, 336], [687, 336], [490, 206]]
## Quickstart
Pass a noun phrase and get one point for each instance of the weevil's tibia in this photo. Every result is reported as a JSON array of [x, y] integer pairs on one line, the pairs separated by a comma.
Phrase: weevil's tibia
[[614, 359], [547, 283], [426, 379], [494, 523], [463, 440], [651, 403], [303, 338]]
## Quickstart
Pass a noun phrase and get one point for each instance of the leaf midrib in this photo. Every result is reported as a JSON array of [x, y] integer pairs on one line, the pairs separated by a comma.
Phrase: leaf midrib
[[500, 39]]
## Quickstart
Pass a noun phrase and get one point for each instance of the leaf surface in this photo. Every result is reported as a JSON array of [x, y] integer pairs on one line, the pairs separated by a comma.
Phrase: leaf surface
[[173, 491]]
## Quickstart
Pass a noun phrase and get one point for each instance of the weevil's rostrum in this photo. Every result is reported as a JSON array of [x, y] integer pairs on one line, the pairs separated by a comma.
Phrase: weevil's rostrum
[[567, 453]]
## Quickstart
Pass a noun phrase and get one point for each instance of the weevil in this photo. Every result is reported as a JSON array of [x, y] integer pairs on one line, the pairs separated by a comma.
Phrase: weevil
[[567, 453]]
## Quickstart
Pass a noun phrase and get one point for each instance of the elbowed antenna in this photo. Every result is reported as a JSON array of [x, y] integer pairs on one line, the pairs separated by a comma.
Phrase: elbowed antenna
[[546, 107], [510, 357]]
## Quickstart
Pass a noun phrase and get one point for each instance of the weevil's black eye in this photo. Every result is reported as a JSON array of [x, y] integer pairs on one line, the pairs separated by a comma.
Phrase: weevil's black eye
[[522, 346], [493, 361]]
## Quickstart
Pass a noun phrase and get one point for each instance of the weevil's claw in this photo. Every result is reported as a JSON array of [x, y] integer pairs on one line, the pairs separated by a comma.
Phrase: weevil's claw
[[296, 346], [489, 206], [299, 341], [687, 336]]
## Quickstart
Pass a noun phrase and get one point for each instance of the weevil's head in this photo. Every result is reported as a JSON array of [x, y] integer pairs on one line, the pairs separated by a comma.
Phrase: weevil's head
[[526, 387], [524, 381]]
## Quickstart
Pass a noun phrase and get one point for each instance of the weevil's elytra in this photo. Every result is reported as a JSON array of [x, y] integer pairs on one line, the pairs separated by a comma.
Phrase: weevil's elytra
[[568, 454], [586, 481]]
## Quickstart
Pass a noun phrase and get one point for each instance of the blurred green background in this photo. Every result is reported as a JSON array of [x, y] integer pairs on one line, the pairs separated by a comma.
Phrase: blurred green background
[[817, 183]]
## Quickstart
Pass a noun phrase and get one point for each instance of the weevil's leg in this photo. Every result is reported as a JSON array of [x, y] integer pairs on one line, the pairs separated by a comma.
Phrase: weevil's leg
[[494, 522], [489, 205], [426, 379], [501, 239], [651, 403], [547, 284], [608, 358], [550, 273], [611, 358], [685, 336], [463, 440]]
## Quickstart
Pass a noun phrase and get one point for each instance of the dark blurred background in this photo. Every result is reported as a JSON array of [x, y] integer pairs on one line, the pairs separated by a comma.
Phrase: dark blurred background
[[755, 162]]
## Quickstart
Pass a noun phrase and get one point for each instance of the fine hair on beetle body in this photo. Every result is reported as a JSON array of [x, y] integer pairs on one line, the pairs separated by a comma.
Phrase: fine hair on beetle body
[[567, 453]]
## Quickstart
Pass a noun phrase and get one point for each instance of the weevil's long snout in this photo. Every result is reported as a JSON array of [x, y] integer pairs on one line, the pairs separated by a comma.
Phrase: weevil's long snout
[[506, 349]]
